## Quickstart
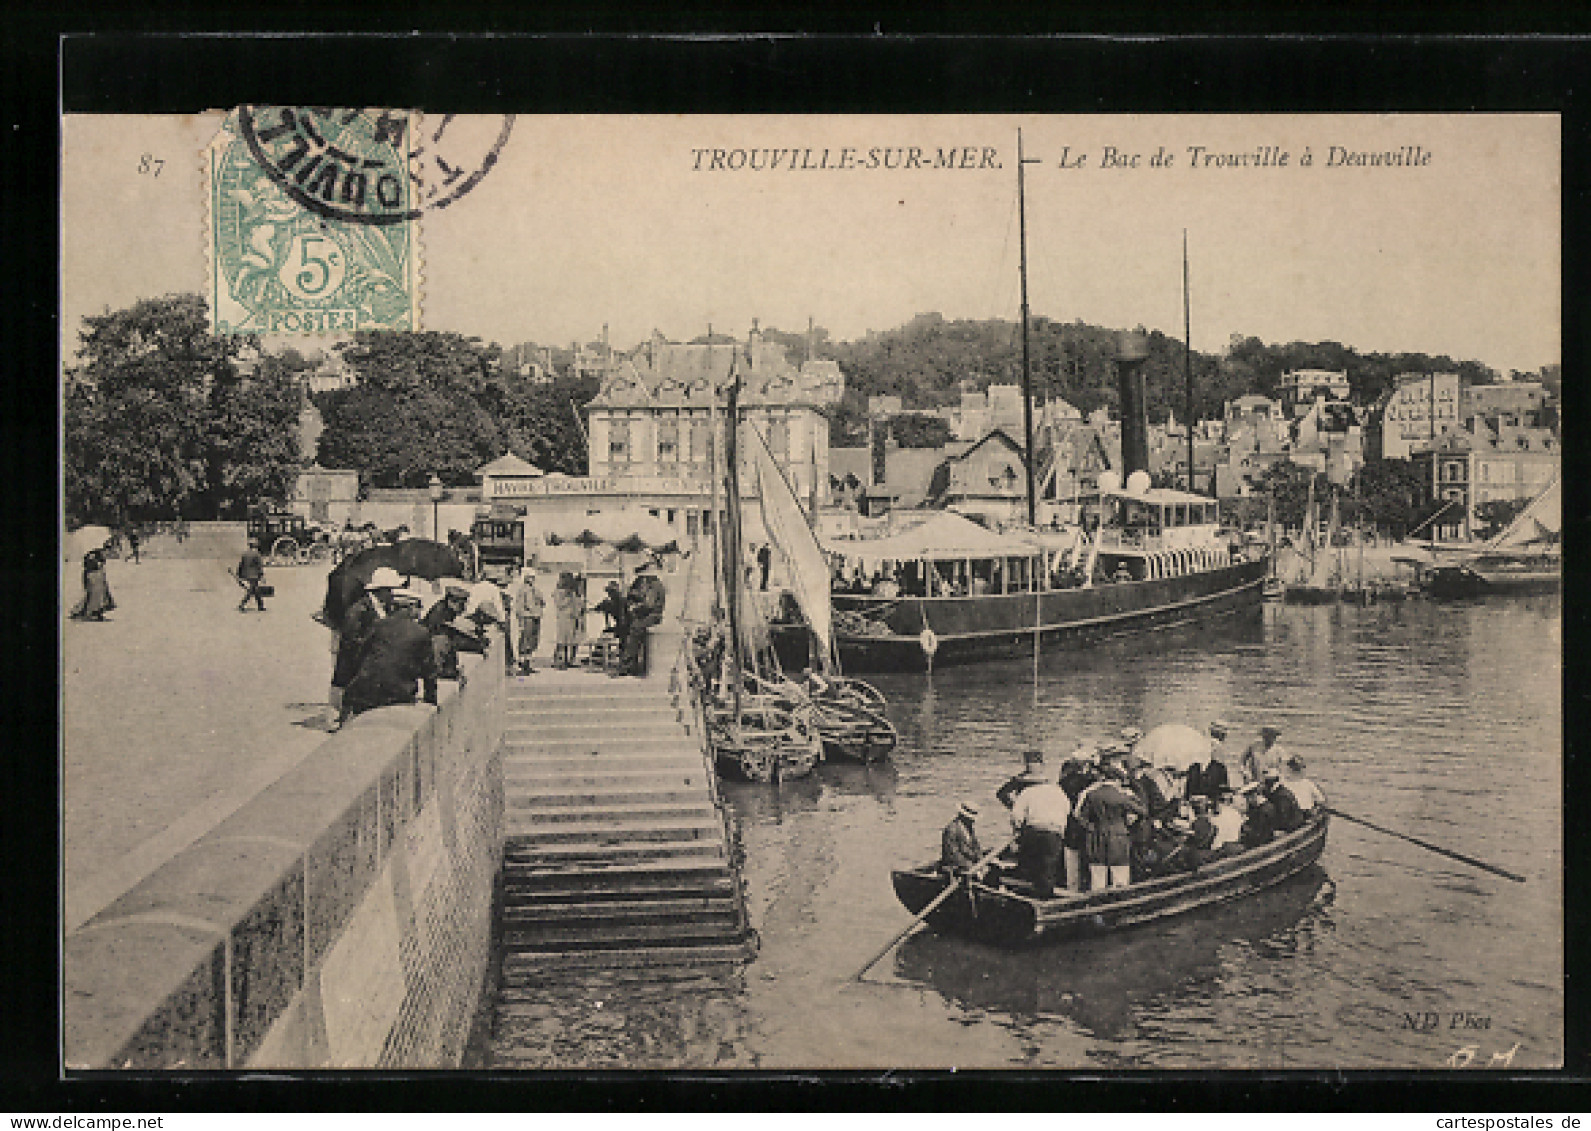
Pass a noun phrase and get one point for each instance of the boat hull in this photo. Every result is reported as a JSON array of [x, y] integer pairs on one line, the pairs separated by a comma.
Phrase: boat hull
[[972, 628], [1455, 583], [1009, 918]]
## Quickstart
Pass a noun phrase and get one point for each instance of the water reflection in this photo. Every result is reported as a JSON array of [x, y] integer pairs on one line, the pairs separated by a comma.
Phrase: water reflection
[[1103, 983]]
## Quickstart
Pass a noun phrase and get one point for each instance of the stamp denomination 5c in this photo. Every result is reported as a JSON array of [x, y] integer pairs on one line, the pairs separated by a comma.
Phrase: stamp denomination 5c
[[313, 225]]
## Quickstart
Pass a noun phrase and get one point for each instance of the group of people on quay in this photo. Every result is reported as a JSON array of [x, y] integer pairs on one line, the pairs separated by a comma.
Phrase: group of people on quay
[[388, 651], [1110, 818]]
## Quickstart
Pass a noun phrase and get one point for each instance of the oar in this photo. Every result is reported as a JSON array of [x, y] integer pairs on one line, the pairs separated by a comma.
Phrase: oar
[[926, 911], [1470, 860]]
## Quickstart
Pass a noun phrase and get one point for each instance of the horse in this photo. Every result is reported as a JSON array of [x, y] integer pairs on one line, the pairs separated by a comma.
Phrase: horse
[[412, 557]]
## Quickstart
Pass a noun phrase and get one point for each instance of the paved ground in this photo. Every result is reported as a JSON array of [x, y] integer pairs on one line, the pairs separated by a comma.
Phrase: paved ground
[[179, 709]]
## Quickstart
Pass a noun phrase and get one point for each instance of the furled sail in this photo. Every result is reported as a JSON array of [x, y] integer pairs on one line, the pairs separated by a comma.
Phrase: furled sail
[[787, 527]]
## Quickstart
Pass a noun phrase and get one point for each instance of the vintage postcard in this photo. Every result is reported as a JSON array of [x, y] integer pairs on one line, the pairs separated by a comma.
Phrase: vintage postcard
[[785, 592]]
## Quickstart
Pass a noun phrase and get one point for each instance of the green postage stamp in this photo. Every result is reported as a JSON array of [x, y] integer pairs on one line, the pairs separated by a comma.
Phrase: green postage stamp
[[314, 221]]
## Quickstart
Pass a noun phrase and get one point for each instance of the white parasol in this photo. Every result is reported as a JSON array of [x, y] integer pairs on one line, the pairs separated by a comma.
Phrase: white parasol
[[1174, 746]]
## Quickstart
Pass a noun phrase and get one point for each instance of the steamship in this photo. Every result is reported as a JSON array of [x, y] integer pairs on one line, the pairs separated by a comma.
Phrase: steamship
[[1139, 558]]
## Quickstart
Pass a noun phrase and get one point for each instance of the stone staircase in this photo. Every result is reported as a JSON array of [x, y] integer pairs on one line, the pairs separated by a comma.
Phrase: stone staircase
[[615, 852]]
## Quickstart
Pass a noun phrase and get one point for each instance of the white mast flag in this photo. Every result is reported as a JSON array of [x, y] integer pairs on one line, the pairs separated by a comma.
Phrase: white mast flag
[[787, 527]]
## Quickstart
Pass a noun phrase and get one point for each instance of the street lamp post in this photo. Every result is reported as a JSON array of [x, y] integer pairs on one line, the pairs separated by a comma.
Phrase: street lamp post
[[437, 491]]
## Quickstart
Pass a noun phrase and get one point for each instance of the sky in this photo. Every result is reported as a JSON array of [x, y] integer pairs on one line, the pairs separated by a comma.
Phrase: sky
[[625, 221]]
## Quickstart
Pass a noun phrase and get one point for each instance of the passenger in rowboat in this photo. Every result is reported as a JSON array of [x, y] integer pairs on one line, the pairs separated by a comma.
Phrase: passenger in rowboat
[[1077, 774], [1261, 754], [1305, 792], [1211, 779], [1105, 809], [1039, 815], [959, 849], [1032, 774], [1259, 815], [1286, 815]]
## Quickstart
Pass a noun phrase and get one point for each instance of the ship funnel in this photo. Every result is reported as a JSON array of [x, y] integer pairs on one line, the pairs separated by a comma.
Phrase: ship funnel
[[1132, 350]]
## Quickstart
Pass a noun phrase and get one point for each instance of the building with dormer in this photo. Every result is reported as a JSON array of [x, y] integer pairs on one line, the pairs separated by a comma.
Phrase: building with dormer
[[653, 416]]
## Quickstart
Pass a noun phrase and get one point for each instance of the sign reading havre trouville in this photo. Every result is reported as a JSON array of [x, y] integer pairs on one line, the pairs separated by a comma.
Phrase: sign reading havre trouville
[[599, 485]]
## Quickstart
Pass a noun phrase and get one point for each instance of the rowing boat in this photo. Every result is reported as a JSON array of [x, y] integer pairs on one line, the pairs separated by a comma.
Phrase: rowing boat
[[1010, 915]]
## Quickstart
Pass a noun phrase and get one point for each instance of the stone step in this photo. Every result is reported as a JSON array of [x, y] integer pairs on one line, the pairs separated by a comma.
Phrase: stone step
[[534, 833], [615, 707], [682, 760], [517, 852], [621, 936], [526, 969], [598, 728], [666, 742], [537, 797], [680, 879], [520, 777], [531, 815], [703, 908]]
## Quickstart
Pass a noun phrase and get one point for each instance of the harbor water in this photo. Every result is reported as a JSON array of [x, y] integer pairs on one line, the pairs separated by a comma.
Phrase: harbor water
[[1440, 721]]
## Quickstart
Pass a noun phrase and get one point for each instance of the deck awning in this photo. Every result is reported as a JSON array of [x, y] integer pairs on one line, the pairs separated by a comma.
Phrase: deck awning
[[945, 535]]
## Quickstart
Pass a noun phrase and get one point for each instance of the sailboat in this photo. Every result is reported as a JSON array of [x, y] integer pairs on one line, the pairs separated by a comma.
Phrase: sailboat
[[760, 727], [1309, 590], [953, 591], [1274, 589], [1527, 555]]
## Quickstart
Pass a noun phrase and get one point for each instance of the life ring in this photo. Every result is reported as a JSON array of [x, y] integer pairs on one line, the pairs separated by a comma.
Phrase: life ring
[[929, 642]]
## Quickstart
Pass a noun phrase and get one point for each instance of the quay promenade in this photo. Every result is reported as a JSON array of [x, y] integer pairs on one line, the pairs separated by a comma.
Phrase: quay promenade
[[178, 710], [245, 889]]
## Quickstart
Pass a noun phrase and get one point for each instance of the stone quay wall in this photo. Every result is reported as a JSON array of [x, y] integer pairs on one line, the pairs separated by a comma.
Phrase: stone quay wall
[[342, 918]]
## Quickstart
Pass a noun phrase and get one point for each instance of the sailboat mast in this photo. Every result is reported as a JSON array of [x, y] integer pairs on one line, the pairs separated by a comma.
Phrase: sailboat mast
[[732, 535], [713, 515], [1027, 366], [1187, 352]]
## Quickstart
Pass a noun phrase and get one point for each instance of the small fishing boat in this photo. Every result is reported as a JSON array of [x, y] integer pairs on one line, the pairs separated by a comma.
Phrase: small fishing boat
[[1009, 915], [1527, 555]]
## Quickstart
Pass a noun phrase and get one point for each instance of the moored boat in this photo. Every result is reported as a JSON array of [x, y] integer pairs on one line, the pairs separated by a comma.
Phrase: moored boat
[[1009, 915], [1526, 556]]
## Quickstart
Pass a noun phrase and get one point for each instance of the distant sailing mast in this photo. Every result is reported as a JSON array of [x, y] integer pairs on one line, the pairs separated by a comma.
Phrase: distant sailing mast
[[1187, 357], [1027, 368]]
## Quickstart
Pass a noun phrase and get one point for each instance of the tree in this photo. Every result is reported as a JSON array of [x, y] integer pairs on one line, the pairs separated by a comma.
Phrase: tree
[[422, 404], [160, 421], [1494, 515], [545, 423], [919, 430], [1286, 484], [1391, 495]]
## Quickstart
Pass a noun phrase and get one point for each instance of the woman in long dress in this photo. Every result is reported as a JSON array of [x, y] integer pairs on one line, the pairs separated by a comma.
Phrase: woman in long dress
[[566, 627], [97, 600]]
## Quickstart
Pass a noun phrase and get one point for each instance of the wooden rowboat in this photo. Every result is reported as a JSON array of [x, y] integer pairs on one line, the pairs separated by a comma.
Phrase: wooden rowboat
[[1009, 916]]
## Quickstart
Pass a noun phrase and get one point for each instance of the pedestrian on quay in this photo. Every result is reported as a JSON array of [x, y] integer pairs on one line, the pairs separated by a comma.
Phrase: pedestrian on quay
[[97, 600], [959, 850], [451, 632], [644, 606], [764, 564], [1038, 817], [399, 661], [566, 621], [528, 608], [133, 542], [251, 575], [351, 637]]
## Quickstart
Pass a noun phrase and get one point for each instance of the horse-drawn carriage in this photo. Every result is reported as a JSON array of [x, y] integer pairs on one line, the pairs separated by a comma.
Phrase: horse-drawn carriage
[[289, 539]]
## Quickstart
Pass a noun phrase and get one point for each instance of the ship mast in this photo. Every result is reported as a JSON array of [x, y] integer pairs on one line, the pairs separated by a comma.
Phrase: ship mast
[[1187, 354], [1027, 368]]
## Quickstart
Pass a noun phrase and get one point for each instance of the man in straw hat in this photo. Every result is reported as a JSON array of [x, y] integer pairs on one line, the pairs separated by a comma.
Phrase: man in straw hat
[[351, 636], [1212, 778], [1104, 810], [1032, 774], [1260, 755], [1038, 817], [398, 656], [1305, 792], [959, 849]]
